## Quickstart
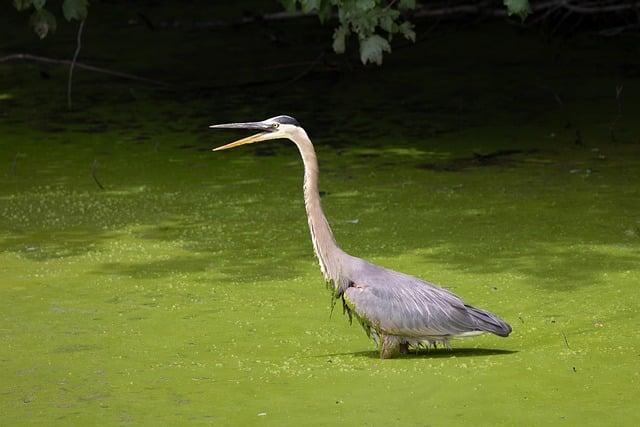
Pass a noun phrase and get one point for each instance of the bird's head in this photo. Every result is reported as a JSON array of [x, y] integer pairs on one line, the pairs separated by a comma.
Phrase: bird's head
[[273, 128]]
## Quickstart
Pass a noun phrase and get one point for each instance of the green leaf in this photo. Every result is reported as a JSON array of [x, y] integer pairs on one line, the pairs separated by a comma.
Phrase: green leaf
[[365, 23], [372, 48], [407, 4], [386, 23], [339, 36], [406, 28], [75, 9], [43, 22], [289, 5], [324, 12], [310, 5], [522, 8], [365, 4], [39, 4], [363, 18], [22, 4]]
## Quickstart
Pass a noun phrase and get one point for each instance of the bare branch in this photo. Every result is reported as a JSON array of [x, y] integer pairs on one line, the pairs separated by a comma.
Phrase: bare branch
[[46, 60], [439, 9], [599, 8], [73, 63], [488, 8], [278, 16]]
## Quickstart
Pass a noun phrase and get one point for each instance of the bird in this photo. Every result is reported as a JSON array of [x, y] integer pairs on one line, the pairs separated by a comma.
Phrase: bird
[[398, 312]]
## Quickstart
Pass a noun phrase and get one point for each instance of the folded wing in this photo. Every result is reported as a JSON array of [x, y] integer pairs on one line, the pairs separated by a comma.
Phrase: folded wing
[[399, 304]]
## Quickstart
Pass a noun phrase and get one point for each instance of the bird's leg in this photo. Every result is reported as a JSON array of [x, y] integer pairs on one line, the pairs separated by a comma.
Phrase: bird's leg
[[404, 348], [390, 347]]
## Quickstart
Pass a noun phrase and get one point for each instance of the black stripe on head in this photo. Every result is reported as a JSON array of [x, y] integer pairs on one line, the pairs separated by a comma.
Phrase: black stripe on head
[[285, 120]]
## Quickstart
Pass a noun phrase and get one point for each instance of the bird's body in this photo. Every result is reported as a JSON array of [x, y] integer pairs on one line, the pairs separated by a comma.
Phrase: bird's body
[[396, 310], [403, 310]]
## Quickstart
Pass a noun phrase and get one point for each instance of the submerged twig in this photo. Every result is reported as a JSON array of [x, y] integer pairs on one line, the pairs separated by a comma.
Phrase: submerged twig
[[14, 163], [94, 166], [566, 342], [561, 104], [554, 93], [478, 159], [73, 62], [46, 60], [614, 123], [578, 139], [618, 97]]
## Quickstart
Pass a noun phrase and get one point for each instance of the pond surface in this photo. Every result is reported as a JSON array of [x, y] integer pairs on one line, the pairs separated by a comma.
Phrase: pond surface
[[146, 280]]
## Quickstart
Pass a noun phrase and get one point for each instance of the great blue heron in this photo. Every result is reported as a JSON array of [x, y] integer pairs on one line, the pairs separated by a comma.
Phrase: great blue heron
[[395, 309]]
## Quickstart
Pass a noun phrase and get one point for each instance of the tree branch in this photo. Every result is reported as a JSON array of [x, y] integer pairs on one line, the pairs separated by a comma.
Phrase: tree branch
[[490, 8], [73, 63], [46, 60], [438, 9]]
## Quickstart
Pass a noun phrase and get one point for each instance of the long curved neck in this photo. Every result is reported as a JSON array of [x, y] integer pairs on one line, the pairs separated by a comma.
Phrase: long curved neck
[[324, 244]]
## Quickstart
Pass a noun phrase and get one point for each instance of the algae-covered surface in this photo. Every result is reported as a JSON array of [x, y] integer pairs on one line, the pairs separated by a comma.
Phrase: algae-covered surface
[[186, 292]]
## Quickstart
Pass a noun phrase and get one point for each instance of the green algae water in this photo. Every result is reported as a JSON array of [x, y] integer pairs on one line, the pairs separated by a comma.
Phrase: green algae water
[[185, 291]]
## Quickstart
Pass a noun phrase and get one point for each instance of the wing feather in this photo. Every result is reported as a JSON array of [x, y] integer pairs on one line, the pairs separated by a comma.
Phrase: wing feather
[[398, 304]]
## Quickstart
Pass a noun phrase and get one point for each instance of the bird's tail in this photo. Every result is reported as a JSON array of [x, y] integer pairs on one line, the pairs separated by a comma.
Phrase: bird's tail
[[489, 322]]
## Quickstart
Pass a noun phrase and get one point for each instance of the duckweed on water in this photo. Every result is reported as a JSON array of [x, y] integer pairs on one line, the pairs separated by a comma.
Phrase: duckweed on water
[[187, 292]]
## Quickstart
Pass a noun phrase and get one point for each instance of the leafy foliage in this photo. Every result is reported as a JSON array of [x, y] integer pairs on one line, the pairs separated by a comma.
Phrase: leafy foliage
[[371, 49], [373, 22], [518, 7], [75, 9], [43, 21], [22, 4]]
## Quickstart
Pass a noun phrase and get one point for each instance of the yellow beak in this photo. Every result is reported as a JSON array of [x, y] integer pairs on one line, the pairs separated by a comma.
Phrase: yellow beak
[[248, 140]]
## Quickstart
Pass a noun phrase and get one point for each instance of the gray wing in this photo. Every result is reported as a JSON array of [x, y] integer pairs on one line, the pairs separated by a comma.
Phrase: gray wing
[[399, 304]]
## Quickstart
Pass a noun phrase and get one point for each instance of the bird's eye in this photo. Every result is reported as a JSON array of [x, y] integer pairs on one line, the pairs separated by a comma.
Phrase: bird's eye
[[275, 125]]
